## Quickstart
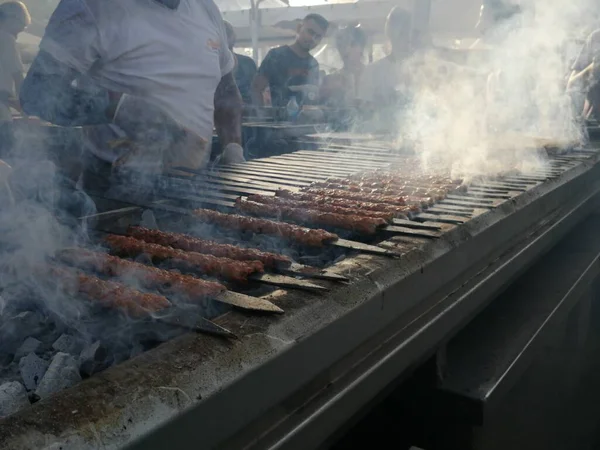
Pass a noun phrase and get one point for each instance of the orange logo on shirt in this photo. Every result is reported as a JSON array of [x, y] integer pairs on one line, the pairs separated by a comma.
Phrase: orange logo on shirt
[[215, 45]]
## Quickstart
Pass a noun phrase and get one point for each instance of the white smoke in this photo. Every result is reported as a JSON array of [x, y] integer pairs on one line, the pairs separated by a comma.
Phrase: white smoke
[[495, 115]]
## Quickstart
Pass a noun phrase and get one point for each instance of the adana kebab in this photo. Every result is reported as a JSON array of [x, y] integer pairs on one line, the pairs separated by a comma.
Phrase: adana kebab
[[108, 293], [301, 235], [365, 225], [192, 288], [391, 200], [405, 177], [228, 269], [280, 201], [409, 195], [392, 184], [193, 244], [398, 211]]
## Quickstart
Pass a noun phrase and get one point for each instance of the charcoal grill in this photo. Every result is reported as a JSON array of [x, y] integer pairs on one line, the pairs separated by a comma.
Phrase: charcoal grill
[[291, 380]]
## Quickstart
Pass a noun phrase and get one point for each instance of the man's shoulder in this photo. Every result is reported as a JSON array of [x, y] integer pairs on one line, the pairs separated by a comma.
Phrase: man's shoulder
[[279, 51], [244, 59]]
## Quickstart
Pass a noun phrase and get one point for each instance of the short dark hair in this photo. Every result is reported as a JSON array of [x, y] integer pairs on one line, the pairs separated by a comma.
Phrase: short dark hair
[[319, 20], [350, 36]]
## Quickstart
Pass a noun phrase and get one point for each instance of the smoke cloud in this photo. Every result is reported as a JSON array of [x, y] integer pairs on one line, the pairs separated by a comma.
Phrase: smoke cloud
[[494, 115]]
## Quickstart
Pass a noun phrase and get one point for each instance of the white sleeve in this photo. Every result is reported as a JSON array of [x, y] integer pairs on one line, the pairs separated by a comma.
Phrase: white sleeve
[[72, 36]]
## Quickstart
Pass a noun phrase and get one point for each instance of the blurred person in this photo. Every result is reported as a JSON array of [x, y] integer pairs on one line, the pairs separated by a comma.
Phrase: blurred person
[[133, 75], [384, 85], [291, 65], [14, 18], [245, 67], [340, 88], [584, 80]]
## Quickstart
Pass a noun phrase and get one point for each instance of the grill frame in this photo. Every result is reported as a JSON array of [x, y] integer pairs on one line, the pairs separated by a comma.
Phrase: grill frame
[[149, 388]]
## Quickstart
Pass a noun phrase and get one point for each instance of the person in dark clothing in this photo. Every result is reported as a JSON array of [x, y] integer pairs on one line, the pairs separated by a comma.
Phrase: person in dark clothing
[[585, 76], [245, 67], [291, 65]]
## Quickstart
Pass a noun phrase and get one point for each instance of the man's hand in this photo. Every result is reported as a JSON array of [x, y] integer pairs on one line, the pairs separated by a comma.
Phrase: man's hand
[[232, 154]]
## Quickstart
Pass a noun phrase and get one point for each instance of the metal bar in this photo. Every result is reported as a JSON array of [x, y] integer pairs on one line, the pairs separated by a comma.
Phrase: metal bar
[[330, 171], [300, 270], [247, 302], [441, 218], [412, 231], [365, 154], [450, 201], [416, 225], [287, 282], [336, 161], [453, 212], [365, 248], [273, 175], [263, 168], [253, 178], [197, 324]]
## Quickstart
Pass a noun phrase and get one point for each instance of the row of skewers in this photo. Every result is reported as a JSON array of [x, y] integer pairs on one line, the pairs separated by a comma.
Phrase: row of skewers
[[363, 204]]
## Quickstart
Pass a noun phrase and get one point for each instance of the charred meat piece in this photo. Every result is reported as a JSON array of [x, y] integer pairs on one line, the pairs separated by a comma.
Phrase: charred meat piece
[[193, 244], [193, 289], [280, 201], [108, 293], [360, 224], [357, 196], [301, 235], [397, 211], [228, 269]]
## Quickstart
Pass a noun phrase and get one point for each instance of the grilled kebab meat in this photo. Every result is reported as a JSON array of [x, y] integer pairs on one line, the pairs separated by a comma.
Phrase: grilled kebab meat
[[398, 211], [402, 177], [108, 293], [280, 201], [228, 269], [361, 197], [364, 225], [409, 195], [400, 183], [192, 288], [301, 235], [193, 244]]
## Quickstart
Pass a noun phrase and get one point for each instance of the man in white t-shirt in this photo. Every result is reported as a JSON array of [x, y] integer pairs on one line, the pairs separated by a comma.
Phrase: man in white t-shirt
[[147, 79]]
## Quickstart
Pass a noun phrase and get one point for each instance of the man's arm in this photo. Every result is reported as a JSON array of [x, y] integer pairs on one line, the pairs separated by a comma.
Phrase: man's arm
[[580, 79], [49, 92], [228, 111], [259, 84], [18, 80]]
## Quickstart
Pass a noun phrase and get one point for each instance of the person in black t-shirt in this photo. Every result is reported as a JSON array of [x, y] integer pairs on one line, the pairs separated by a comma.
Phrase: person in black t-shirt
[[291, 65], [245, 67]]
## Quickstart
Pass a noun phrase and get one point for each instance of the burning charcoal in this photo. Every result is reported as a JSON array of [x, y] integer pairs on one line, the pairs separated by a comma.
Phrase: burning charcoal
[[32, 369], [30, 345], [12, 398], [94, 359], [62, 374], [68, 344]]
